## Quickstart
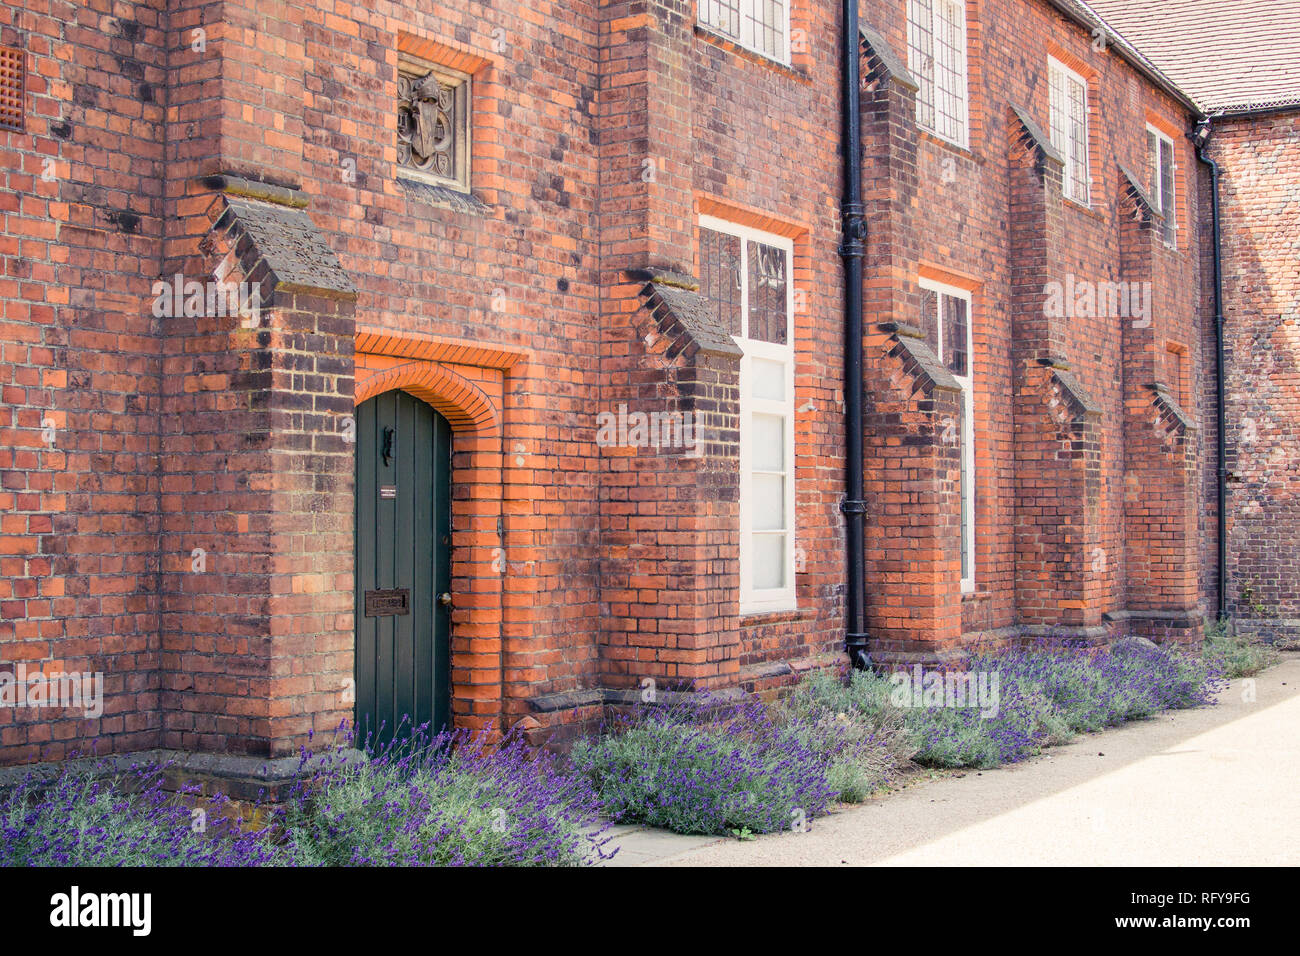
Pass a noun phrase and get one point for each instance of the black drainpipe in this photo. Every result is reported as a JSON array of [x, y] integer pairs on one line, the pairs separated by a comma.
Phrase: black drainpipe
[[852, 250], [1201, 138]]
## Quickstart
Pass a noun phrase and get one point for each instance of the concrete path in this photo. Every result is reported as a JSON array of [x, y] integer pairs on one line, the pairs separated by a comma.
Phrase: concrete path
[[1214, 786]]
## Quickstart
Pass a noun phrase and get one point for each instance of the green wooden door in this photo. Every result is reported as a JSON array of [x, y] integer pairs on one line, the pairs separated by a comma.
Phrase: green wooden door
[[403, 566]]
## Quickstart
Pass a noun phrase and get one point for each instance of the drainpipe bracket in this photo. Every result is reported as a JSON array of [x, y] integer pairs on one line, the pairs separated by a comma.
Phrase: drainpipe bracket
[[855, 236]]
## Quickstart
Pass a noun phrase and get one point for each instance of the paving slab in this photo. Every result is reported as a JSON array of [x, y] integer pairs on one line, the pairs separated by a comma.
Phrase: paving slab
[[638, 846]]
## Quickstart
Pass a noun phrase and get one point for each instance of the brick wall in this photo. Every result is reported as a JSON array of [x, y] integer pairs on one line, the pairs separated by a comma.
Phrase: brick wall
[[1055, 554], [82, 219], [561, 289], [1260, 185]]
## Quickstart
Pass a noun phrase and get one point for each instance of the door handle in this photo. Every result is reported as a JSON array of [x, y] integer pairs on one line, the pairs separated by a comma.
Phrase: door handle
[[445, 599]]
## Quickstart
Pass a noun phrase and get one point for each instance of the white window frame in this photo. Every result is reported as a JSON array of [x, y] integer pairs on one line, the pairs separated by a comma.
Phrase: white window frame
[[1064, 147], [1168, 205], [967, 383], [766, 600], [707, 12], [961, 68]]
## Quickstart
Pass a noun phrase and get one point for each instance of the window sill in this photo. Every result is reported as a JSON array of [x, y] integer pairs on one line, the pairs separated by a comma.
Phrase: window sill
[[709, 35], [444, 196], [760, 617], [1090, 211], [930, 136]]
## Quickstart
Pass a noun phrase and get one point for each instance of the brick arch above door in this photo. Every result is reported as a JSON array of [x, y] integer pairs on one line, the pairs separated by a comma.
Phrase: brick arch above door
[[463, 403], [463, 380]]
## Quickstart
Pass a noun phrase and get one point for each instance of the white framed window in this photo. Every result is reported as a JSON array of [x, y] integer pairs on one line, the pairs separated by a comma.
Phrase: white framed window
[[759, 25], [1163, 176], [946, 312], [936, 55], [433, 128], [1068, 92], [747, 277]]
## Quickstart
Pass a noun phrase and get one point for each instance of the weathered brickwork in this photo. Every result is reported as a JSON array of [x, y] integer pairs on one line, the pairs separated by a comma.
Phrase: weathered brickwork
[[1054, 476], [82, 201], [256, 538], [177, 489], [1260, 158]]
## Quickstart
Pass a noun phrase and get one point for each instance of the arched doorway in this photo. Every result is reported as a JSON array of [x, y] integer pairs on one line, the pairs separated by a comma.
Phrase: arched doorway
[[403, 565]]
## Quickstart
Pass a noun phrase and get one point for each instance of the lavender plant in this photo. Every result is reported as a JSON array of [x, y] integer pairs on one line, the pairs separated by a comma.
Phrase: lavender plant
[[1236, 655], [446, 800], [697, 766], [419, 801], [1050, 695], [865, 747], [1046, 696], [1093, 689], [968, 737], [708, 767], [99, 816]]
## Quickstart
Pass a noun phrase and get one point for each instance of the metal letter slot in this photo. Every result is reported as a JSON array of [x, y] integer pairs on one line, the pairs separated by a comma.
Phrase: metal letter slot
[[392, 603]]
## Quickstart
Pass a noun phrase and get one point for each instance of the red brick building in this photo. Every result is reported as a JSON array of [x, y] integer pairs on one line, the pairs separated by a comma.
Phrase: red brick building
[[488, 359], [1241, 63]]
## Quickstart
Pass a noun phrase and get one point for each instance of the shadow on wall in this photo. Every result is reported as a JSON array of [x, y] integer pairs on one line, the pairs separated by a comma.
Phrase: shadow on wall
[[1260, 195]]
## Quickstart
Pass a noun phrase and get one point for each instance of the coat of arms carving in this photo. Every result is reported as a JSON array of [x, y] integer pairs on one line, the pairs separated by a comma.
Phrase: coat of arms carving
[[427, 125]]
